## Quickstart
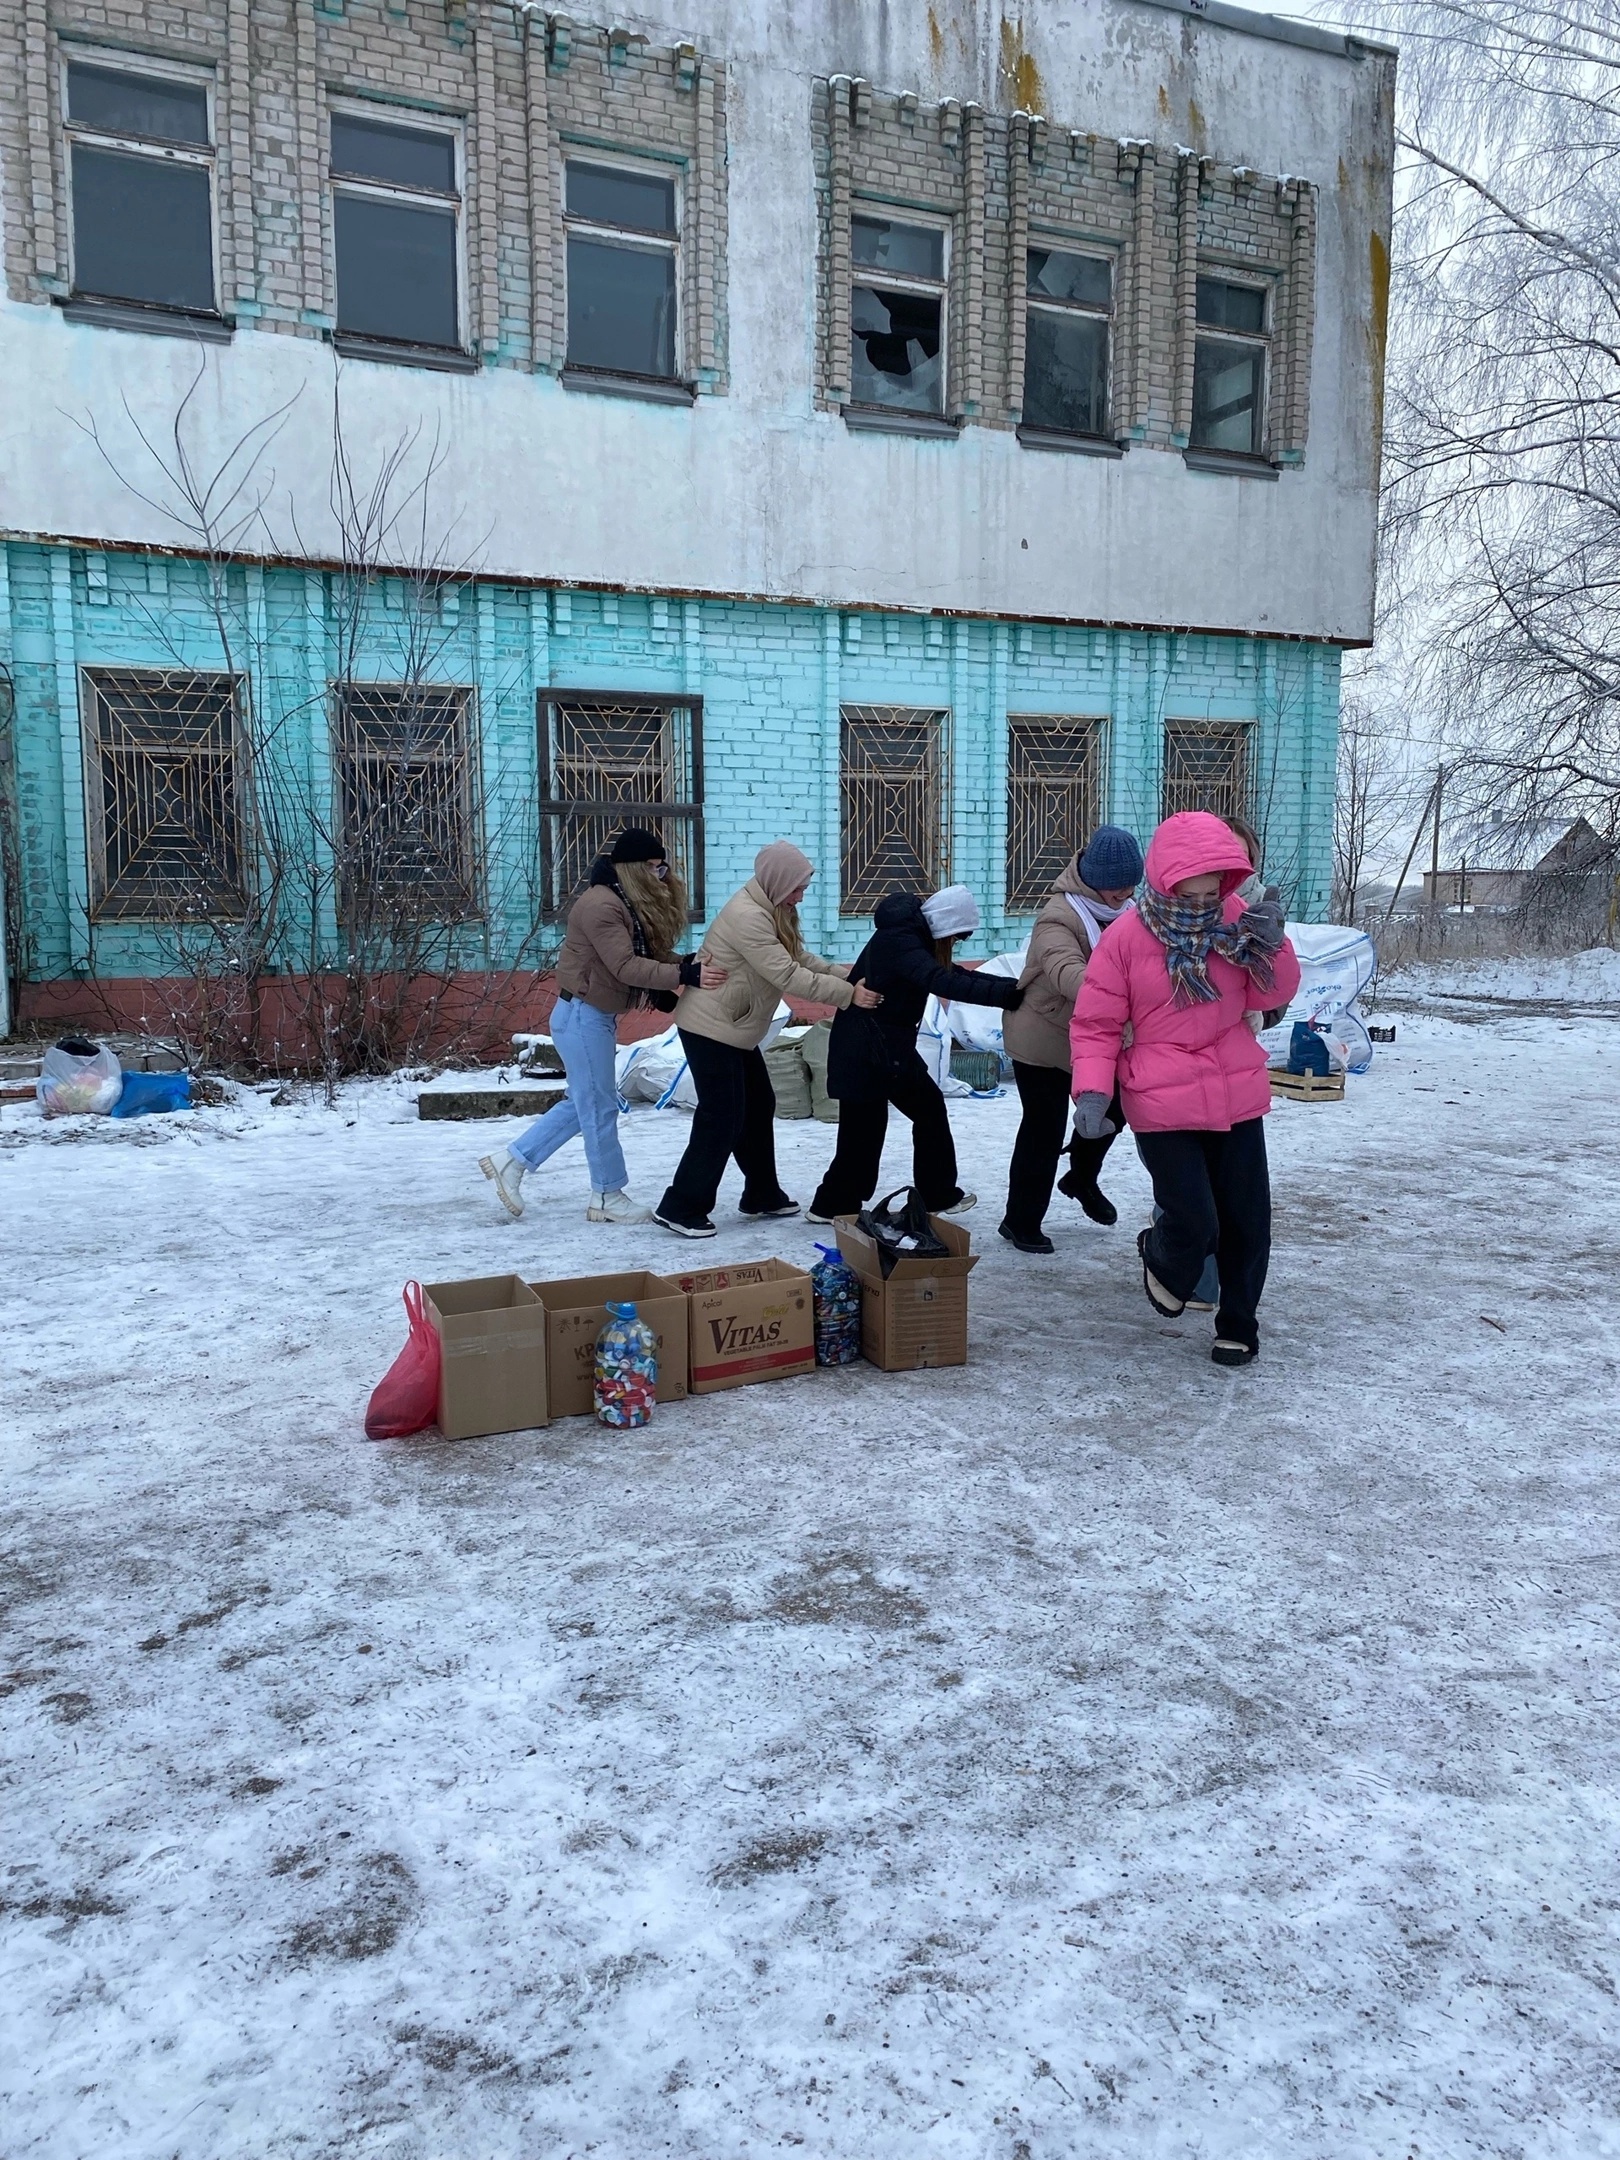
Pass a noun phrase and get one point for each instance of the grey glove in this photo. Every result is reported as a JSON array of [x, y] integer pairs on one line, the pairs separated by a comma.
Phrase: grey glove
[[1263, 920], [1091, 1119]]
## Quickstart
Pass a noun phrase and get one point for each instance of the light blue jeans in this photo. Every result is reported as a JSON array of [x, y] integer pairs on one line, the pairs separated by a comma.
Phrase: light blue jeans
[[585, 1040]]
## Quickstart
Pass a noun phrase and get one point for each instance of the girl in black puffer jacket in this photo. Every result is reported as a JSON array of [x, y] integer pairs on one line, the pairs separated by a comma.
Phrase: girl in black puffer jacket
[[872, 1059]]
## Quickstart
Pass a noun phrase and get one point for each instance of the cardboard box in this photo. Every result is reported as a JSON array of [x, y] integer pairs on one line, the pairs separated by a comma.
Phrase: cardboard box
[[756, 1321], [916, 1317], [492, 1373], [576, 1313]]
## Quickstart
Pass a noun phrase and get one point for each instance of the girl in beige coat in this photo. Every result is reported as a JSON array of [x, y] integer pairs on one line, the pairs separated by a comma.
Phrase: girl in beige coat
[[1088, 895], [755, 939]]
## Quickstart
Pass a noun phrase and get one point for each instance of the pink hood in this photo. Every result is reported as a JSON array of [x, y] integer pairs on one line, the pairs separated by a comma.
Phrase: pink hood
[[1192, 842]]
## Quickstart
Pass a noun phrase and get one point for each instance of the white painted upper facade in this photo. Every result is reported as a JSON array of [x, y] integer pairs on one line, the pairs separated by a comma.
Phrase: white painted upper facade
[[758, 492]]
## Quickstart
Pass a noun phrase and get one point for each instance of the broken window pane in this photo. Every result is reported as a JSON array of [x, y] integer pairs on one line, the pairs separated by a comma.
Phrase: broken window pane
[[640, 202], [1231, 307], [1084, 279], [396, 270], [142, 229], [140, 105], [896, 349], [902, 250], [1228, 382], [1066, 371], [403, 157], [621, 307]]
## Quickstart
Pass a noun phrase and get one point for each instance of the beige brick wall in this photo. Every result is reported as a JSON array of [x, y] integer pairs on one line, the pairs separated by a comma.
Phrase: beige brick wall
[[523, 87], [1011, 181]]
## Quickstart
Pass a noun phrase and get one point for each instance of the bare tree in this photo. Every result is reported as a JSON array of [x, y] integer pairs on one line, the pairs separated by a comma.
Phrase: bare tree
[[1370, 798]]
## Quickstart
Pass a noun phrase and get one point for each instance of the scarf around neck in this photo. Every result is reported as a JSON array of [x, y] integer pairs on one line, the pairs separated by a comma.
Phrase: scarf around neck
[[1189, 931], [1094, 914]]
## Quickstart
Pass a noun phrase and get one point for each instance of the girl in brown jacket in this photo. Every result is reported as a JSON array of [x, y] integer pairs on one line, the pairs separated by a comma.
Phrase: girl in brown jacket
[[618, 951], [1088, 895]]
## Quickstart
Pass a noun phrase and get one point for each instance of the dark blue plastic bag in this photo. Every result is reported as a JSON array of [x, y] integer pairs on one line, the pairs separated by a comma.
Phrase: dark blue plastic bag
[[1307, 1052], [146, 1092]]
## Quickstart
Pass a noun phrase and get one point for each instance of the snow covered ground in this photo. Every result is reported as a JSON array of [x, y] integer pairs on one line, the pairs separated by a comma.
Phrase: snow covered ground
[[1089, 1752], [1591, 977]]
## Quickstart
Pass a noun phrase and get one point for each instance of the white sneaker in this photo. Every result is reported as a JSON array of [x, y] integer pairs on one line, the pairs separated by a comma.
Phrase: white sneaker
[[960, 1207], [508, 1180], [616, 1207]]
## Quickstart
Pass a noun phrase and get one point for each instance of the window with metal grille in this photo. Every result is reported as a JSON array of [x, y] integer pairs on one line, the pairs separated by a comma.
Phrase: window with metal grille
[[1206, 767], [891, 811], [140, 158], [165, 813], [407, 800], [1054, 800], [608, 762]]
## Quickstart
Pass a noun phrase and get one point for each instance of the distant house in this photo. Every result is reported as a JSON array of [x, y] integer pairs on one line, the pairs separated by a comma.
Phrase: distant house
[[1499, 866]]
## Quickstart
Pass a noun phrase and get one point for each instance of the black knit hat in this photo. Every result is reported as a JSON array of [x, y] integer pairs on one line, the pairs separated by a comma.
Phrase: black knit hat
[[636, 844]]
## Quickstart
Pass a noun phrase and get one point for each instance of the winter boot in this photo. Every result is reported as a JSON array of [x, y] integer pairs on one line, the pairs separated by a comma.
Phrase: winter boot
[[1079, 1181], [1029, 1241], [508, 1180], [616, 1207], [1227, 1352]]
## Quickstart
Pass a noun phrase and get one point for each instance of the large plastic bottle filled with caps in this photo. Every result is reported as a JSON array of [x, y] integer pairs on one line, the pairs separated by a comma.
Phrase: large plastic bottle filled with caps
[[837, 1290], [626, 1369]]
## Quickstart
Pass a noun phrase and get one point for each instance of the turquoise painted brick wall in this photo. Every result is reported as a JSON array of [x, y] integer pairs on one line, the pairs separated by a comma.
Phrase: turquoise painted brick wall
[[772, 680]]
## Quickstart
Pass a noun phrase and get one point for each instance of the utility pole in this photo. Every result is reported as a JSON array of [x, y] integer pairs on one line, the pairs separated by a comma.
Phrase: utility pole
[[1406, 867], [1434, 857]]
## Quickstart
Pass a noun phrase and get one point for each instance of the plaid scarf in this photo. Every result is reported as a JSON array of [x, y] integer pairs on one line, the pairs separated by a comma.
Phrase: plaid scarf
[[1189, 931]]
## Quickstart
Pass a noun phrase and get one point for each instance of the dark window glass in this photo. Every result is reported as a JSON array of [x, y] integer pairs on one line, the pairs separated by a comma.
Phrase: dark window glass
[[902, 250], [1066, 372], [621, 307], [141, 229], [138, 105], [896, 349], [1227, 386], [396, 270], [638, 201], [403, 156], [1231, 307], [1086, 279]]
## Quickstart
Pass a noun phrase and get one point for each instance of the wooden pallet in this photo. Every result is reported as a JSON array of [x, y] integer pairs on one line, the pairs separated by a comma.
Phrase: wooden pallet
[[503, 1102], [1307, 1087]]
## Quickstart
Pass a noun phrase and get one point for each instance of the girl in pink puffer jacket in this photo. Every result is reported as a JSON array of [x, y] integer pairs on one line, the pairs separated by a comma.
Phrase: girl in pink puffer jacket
[[1164, 1010]]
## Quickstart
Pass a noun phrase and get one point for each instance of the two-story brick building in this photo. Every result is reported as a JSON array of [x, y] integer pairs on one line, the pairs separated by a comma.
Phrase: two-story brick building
[[434, 428]]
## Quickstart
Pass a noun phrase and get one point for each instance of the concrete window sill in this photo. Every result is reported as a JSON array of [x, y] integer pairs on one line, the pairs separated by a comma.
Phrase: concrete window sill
[[651, 389], [1037, 438], [888, 420], [396, 352], [152, 321], [1228, 461]]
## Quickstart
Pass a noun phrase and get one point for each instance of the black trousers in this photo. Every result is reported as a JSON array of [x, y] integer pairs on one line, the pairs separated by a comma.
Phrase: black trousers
[[735, 1115], [852, 1175], [1044, 1092], [1215, 1190]]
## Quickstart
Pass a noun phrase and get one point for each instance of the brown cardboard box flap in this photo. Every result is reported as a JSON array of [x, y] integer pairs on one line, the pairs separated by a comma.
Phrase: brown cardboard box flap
[[575, 1314], [864, 1255]]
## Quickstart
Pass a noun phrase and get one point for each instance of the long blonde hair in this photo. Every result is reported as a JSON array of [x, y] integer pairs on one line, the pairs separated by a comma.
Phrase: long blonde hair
[[660, 904], [785, 922]]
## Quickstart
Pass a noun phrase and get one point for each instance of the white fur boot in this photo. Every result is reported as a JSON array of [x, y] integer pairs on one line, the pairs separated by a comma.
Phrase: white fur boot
[[616, 1207]]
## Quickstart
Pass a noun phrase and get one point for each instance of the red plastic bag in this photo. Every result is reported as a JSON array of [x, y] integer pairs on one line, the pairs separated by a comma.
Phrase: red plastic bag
[[406, 1398]]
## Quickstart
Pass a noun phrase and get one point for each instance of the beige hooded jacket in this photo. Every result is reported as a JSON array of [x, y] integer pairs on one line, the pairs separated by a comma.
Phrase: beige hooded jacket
[[760, 971]]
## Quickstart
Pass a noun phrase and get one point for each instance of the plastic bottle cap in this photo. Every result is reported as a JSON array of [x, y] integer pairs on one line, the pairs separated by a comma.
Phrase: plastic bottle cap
[[621, 1312], [831, 1251]]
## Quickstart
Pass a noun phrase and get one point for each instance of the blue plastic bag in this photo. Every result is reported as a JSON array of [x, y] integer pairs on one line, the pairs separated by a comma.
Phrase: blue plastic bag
[[1307, 1052], [146, 1092]]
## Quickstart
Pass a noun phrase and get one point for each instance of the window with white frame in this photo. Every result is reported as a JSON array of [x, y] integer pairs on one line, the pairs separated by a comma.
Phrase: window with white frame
[[1229, 367], [623, 270], [396, 216], [897, 315], [140, 159], [1066, 338]]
